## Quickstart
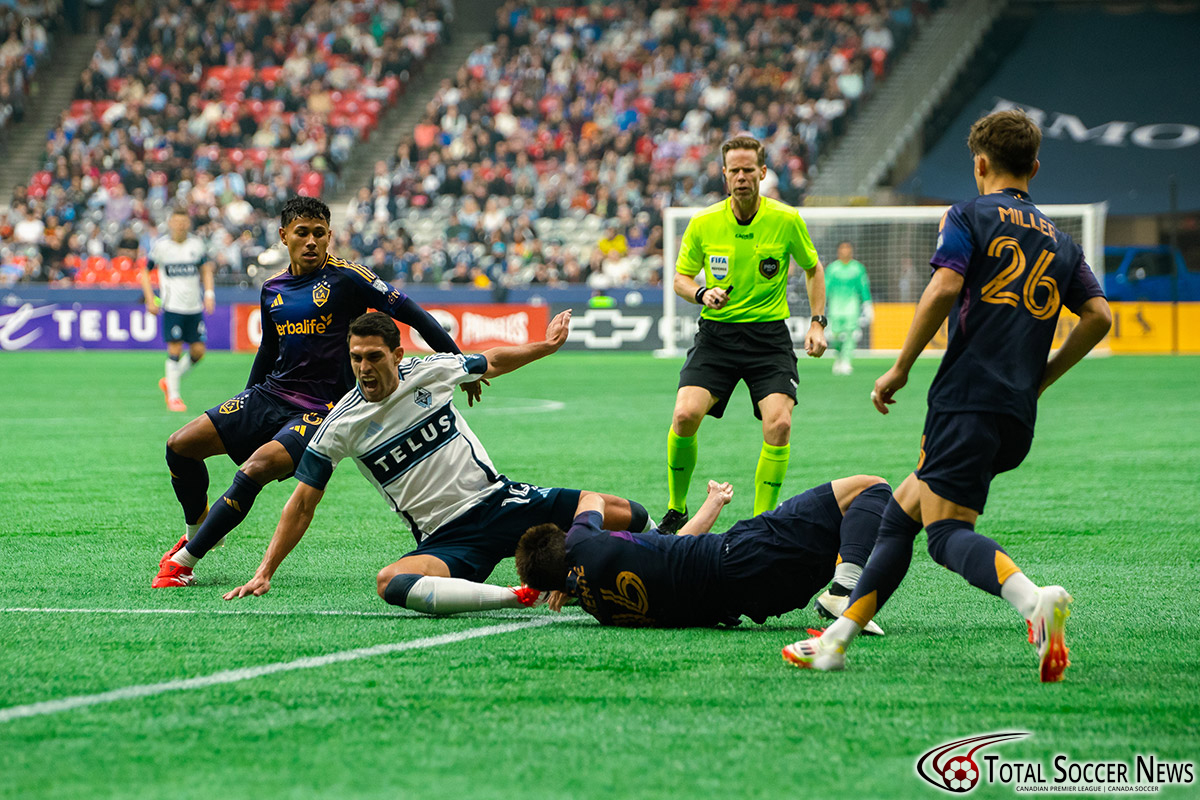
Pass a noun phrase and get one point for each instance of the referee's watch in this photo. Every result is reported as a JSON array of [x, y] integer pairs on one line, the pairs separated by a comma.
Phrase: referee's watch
[[821, 320]]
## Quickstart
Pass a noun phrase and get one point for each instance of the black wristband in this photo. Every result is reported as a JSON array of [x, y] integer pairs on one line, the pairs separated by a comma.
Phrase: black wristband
[[700, 295]]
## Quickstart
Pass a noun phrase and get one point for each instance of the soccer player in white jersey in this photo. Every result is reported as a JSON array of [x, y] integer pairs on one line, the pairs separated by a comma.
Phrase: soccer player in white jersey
[[185, 281], [400, 426]]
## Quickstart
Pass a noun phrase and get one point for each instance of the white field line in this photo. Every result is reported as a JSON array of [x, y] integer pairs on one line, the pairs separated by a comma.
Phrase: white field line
[[248, 673], [234, 612]]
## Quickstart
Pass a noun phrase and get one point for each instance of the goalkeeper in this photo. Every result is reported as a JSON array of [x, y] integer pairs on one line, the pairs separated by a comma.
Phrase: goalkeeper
[[848, 299]]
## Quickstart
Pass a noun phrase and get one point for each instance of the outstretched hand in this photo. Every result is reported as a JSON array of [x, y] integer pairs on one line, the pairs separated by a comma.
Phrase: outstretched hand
[[255, 586], [474, 390], [557, 330]]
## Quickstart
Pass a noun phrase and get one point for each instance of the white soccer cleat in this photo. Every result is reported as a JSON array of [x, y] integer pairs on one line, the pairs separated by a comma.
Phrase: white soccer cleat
[[1047, 627], [816, 653], [832, 606]]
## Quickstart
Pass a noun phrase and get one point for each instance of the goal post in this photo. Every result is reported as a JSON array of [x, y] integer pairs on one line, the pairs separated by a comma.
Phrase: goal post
[[894, 243]]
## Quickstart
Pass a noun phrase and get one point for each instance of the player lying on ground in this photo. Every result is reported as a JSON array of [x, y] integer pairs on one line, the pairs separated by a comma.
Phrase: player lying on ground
[[301, 369], [402, 428], [1002, 272], [761, 567]]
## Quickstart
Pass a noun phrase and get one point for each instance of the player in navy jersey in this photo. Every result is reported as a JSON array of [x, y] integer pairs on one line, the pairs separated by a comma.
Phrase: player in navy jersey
[[761, 567], [301, 370], [400, 427], [1002, 272]]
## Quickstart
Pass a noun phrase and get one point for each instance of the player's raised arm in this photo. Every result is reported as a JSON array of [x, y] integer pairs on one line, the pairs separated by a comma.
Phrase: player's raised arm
[[506, 359], [719, 495], [297, 516]]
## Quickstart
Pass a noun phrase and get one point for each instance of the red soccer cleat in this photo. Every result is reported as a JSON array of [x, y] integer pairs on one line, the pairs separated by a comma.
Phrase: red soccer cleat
[[172, 574], [183, 540], [528, 596], [1046, 632], [173, 404]]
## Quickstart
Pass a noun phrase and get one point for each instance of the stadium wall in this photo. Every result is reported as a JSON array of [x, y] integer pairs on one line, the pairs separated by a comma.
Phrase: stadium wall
[[116, 319]]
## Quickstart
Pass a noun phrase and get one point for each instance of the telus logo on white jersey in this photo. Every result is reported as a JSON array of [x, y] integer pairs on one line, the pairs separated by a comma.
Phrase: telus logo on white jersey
[[396, 456]]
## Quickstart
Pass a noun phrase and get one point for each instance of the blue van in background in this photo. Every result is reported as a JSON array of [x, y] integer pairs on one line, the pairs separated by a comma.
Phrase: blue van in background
[[1155, 274]]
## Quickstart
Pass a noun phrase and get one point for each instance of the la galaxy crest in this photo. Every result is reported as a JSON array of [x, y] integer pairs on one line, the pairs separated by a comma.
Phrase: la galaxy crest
[[321, 293], [423, 398], [231, 406]]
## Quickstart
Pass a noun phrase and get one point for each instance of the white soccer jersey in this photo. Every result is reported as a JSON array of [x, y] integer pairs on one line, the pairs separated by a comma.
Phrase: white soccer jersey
[[413, 446], [178, 265]]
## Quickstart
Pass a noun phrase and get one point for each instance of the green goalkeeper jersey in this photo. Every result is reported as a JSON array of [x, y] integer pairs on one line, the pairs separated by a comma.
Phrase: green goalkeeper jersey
[[752, 260], [846, 289]]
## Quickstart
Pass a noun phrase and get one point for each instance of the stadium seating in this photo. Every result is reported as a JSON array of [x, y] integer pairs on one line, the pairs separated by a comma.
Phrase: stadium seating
[[569, 145], [228, 130]]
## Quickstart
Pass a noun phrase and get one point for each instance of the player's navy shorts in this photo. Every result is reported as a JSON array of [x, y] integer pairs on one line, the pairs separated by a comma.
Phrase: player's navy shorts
[[759, 353], [473, 543], [775, 562], [254, 417], [183, 327], [962, 451]]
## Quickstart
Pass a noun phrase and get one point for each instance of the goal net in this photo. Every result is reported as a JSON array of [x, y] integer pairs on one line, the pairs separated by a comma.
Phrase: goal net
[[894, 243]]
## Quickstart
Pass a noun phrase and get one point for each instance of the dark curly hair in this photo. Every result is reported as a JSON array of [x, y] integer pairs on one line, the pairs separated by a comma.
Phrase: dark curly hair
[[303, 207]]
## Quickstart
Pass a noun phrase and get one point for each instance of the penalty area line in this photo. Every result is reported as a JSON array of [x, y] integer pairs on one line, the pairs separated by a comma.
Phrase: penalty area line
[[249, 673]]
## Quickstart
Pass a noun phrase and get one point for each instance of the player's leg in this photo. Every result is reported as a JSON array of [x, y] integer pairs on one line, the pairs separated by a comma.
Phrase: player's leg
[[862, 500], [195, 336], [705, 383], [691, 404], [624, 515], [776, 412], [841, 336], [881, 576], [423, 582], [169, 383]]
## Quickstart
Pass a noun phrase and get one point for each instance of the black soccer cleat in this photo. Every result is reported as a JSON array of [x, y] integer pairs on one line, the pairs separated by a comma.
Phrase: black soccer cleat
[[672, 521]]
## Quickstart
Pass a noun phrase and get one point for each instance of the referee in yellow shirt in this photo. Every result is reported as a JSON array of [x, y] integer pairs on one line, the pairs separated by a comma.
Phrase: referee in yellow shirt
[[744, 245]]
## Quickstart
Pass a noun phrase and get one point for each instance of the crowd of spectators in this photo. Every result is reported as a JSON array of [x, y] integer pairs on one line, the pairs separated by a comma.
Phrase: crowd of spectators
[[552, 154], [223, 108], [24, 48]]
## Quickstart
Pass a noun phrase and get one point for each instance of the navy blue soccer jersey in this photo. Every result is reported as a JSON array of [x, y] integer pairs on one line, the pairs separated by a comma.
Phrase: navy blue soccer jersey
[[644, 579], [303, 356], [1018, 271]]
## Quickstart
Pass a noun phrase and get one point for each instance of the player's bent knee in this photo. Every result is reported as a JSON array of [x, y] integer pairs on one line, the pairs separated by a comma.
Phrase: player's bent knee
[[393, 588]]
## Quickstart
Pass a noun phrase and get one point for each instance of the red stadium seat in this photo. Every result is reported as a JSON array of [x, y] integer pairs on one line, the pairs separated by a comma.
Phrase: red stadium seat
[[43, 179], [122, 264], [96, 264]]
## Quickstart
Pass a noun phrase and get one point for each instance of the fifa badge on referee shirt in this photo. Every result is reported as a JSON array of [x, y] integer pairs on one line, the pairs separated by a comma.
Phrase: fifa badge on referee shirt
[[718, 266]]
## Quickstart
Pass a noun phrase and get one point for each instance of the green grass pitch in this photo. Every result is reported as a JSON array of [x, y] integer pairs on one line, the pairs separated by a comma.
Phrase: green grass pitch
[[1107, 504]]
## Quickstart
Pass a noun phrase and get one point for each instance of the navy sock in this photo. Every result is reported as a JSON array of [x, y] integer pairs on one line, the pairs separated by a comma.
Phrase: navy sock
[[189, 479], [396, 592], [860, 525], [887, 565], [225, 515], [955, 544], [639, 517]]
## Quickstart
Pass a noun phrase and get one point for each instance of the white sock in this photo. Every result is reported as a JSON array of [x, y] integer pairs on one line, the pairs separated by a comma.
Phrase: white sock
[[842, 630], [185, 364], [173, 373], [191, 531], [434, 595], [185, 558], [1021, 593], [847, 574]]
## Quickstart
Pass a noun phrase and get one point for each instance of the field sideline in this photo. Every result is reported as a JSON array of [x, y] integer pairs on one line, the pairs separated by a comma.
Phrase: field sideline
[[110, 689]]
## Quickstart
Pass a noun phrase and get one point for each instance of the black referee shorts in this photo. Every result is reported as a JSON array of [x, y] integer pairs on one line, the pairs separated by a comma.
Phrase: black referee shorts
[[759, 353]]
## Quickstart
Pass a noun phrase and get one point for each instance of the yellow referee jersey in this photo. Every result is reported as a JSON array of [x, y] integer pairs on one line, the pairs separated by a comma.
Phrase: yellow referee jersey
[[753, 259]]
